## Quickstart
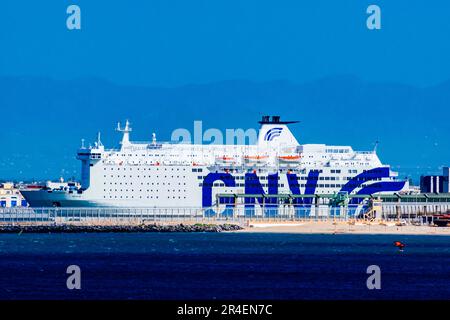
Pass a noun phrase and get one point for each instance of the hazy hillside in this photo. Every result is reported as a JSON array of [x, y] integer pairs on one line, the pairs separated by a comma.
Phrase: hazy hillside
[[44, 119]]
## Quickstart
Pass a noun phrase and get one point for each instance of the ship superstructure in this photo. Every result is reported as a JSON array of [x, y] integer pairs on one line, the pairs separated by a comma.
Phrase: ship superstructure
[[156, 174]]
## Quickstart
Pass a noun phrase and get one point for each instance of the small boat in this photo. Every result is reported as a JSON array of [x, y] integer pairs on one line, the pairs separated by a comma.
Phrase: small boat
[[441, 220], [294, 158], [256, 159], [225, 160]]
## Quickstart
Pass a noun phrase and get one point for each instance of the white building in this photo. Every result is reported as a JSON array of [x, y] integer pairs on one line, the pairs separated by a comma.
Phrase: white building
[[10, 196]]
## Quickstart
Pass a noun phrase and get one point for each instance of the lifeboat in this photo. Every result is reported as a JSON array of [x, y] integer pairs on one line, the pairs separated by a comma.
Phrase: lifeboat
[[225, 160], [256, 159], [198, 164], [290, 159]]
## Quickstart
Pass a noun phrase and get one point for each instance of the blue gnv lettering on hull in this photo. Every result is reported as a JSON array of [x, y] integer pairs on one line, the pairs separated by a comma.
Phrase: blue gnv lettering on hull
[[208, 183], [303, 205], [253, 186], [371, 175]]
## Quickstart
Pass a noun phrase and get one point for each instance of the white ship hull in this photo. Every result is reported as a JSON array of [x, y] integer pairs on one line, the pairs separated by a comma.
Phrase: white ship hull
[[182, 175]]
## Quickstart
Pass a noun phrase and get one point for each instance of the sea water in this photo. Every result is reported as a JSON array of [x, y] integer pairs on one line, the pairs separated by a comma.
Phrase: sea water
[[223, 266]]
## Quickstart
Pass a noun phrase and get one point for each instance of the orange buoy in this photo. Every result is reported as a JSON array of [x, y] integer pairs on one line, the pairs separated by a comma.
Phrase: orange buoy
[[399, 245]]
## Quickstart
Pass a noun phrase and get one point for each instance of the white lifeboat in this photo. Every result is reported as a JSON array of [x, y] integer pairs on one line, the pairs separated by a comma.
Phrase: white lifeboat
[[225, 160], [290, 158], [256, 159]]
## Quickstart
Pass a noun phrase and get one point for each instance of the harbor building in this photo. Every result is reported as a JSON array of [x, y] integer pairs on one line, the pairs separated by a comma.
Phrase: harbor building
[[10, 196], [436, 184]]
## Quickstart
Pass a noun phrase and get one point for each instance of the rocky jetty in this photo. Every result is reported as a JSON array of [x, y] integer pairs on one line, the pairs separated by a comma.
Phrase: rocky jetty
[[68, 228]]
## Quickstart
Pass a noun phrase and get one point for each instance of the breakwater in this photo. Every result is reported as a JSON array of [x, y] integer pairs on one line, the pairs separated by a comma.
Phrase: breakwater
[[404, 213], [70, 228]]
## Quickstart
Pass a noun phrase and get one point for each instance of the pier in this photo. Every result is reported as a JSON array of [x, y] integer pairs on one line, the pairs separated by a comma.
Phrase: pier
[[409, 209]]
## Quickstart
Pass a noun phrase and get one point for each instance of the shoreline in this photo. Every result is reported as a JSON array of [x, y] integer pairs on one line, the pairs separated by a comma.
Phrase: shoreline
[[143, 228], [305, 227], [329, 227]]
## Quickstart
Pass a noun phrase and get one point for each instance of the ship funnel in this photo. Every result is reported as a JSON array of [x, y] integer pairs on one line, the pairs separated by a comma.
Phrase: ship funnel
[[275, 133]]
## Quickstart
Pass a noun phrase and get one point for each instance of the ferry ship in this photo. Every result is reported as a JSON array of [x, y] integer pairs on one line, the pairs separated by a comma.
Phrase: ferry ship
[[156, 174]]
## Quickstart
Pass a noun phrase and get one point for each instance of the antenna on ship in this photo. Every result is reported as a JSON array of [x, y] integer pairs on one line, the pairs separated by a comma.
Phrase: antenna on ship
[[126, 132], [375, 147], [154, 138], [274, 120], [82, 144], [99, 142]]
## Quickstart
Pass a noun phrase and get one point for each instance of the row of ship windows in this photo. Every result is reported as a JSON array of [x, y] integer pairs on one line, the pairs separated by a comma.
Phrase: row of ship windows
[[149, 155], [140, 197], [335, 171], [149, 169], [304, 178], [337, 150], [219, 184], [191, 155], [157, 177], [282, 185], [159, 155], [201, 170], [142, 183], [151, 190], [340, 164], [266, 178]]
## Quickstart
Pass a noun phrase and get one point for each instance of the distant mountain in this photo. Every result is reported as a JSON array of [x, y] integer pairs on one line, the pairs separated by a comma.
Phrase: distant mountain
[[44, 119]]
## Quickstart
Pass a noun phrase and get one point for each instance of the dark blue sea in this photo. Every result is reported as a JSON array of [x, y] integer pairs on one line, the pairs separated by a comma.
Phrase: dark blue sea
[[223, 266]]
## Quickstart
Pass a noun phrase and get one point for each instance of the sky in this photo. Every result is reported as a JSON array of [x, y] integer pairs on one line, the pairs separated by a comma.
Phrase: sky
[[178, 42]]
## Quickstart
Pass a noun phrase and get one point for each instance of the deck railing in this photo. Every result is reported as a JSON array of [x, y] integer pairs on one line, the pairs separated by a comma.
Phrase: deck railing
[[408, 212]]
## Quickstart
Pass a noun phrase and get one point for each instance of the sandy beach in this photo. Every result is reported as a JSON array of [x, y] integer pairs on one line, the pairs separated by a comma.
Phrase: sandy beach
[[328, 227]]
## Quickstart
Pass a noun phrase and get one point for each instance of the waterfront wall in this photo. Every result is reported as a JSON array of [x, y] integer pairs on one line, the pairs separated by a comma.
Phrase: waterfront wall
[[239, 214]]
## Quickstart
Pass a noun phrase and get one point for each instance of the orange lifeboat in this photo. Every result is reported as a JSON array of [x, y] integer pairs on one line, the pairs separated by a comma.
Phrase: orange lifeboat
[[291, 158], [256, 158]]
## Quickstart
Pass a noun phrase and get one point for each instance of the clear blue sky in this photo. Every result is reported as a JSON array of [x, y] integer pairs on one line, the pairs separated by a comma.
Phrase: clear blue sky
[[177, 42], [403, 71]]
